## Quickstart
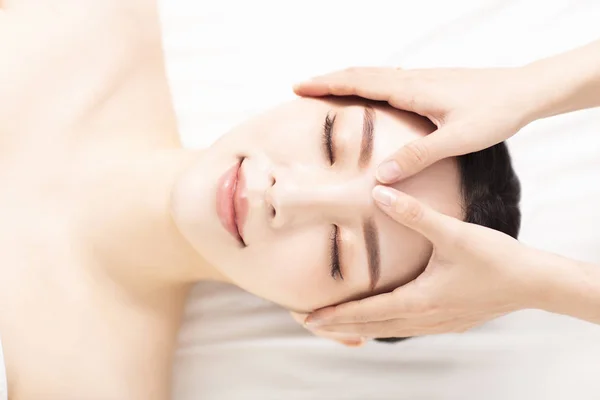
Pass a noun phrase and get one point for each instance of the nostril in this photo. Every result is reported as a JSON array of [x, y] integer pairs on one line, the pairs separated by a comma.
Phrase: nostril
[[269, 199]]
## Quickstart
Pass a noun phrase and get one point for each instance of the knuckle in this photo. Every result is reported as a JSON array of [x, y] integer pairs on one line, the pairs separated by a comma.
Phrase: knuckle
[[411, 211], [417, 153], [341, 88], [411, 102], [365, 314], [361, 319], [439, 119], [414, 212]]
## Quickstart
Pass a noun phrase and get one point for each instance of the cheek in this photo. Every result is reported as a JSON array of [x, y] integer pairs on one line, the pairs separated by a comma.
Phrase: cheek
[[291, 132], [291, 143]]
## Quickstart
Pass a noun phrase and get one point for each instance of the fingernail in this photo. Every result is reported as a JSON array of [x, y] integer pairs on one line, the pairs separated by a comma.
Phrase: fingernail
[[389, 171], [311, 322], [384, 195], [354, 342]]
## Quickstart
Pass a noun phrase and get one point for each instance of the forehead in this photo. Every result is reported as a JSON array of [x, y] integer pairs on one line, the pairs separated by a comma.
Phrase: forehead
[[403, 252]]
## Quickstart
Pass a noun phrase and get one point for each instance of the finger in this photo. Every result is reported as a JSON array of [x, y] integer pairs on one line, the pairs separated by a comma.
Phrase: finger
[[408, 211], [405, 301], [380, 329], [376, 308], [380, 84], [369, 83], [298, 317], [401, 328], [343, 338], [420, 154], [312, 88], [347, 339]]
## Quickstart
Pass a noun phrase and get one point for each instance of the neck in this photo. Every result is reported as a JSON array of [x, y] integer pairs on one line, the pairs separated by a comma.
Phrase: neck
[[129, 225]]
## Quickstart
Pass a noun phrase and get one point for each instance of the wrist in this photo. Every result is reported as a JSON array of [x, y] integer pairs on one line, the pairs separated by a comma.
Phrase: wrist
[[529, 278], [564, 286], [541, 95], [544, 271], [562, 83], [524, 90]]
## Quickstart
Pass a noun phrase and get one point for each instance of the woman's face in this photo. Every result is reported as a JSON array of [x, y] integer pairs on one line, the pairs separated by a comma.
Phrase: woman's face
[[282, 204]]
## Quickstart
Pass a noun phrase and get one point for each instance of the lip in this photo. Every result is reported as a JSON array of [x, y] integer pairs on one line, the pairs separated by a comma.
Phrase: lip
[[229, 200], [240, 201]]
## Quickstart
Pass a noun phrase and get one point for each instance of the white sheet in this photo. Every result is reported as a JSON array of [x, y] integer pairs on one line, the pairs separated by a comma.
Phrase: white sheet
[[229, 59], [3, 385]]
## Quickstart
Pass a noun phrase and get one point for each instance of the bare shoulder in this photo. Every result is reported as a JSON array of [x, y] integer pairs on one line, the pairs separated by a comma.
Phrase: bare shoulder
[[65, 52]]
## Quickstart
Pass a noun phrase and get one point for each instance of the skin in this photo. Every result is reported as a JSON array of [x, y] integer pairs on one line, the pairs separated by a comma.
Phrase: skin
[[287, 257], [472, 109], [88, 309], [107, 221]]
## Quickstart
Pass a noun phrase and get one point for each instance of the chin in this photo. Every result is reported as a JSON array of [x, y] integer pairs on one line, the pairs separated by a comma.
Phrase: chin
[[194, 209]]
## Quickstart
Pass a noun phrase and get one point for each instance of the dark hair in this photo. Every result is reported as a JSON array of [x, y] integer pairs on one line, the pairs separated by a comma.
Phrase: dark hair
[[491, 193]]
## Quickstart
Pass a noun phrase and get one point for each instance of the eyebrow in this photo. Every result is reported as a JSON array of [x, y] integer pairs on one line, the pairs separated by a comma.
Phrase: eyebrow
[[368, 129], [372, 245], [370, 233]]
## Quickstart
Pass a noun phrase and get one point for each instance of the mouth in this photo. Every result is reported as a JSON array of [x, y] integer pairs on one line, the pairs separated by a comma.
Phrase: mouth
[[232, 204]]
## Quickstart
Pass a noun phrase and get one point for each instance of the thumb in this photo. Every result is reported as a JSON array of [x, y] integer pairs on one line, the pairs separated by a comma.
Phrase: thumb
[[411, 213], [417, 155], [346, 339], [382, 307]]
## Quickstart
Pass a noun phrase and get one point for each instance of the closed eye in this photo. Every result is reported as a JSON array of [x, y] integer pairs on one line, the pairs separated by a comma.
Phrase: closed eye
[[336, 271], [328, 145]]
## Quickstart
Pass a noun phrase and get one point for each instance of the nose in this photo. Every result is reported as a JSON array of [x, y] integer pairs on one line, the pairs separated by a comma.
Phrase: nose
[[304, 195]]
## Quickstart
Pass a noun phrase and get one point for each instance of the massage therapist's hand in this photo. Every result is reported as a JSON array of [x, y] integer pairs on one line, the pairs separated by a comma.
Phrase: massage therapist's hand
[[472, 108], [475, 274]]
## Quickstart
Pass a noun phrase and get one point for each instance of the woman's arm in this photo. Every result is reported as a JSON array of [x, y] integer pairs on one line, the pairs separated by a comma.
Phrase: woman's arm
[[566, 82], [567, 287]]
